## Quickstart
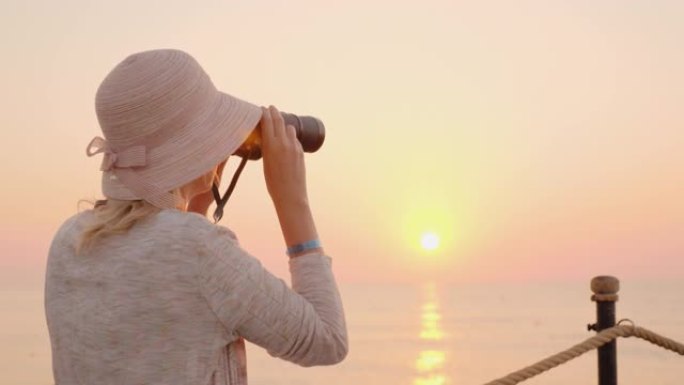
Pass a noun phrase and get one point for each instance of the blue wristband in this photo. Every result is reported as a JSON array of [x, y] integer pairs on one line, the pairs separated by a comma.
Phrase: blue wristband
[[301, 247]]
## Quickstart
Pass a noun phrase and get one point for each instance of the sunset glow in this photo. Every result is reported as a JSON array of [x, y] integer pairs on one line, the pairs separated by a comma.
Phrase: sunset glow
[[429, 241], [475, 145], [456, 136]]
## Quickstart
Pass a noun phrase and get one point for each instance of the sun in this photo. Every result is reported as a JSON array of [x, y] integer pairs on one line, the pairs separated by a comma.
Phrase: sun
[[429, 241]]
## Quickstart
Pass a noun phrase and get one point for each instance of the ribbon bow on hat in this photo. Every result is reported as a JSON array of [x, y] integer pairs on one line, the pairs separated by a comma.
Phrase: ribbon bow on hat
[[122, 163], [135, 156]]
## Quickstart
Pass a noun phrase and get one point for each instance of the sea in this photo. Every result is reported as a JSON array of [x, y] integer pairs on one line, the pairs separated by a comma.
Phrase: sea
[[428, 334]]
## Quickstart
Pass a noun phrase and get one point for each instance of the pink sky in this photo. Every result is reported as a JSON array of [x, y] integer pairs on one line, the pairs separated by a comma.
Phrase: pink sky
[[539, 140]]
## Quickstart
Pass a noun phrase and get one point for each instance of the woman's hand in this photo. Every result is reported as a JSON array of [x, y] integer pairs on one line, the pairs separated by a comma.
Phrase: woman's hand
[[285, 176], [284, 169]]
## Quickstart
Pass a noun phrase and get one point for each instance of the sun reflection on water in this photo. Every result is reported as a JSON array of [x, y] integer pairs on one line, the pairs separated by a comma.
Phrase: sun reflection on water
[[430, 362], [432, 380], [430, 322]]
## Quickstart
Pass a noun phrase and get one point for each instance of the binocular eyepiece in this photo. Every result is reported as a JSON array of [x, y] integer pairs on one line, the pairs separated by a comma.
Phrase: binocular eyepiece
[[310, 133]]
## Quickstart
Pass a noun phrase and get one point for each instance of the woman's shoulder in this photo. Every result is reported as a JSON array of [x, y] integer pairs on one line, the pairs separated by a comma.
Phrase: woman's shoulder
[[196, 232], [192, 223], [70, 229], [179, 218], [74, 223], [174, 226]]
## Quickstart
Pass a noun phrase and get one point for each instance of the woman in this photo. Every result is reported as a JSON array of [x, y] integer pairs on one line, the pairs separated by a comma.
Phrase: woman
[[143, 289]]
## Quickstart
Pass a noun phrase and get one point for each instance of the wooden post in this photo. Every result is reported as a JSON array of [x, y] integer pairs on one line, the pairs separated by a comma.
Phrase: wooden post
[[605, 290]]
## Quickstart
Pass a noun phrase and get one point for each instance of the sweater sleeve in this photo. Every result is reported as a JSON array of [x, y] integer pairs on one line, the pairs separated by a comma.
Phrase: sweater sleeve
[[304, 324]]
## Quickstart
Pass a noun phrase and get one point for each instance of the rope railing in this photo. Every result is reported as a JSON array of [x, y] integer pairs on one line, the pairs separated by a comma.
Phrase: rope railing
[[600, 339]]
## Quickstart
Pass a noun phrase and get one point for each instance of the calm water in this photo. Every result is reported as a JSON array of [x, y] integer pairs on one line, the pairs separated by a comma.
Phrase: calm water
[[428, 335]]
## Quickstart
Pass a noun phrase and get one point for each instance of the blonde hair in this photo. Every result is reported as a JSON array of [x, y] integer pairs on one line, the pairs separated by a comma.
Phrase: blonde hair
[[117, 217], [114, 217]]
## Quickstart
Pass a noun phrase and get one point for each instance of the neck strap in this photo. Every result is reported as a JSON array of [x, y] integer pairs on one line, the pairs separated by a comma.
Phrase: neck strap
[[221, 201]]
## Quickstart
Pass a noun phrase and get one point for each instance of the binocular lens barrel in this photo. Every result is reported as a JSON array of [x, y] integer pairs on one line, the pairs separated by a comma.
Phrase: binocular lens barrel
[[310, 133]]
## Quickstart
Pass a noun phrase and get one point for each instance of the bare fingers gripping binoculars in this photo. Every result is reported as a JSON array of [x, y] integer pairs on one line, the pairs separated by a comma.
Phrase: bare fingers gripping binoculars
[[310, 133]]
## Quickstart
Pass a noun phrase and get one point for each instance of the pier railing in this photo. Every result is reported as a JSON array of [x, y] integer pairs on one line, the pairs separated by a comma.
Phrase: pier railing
[[605, 289]]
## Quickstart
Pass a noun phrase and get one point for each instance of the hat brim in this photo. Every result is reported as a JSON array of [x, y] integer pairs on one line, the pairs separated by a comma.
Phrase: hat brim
[[192, 152]]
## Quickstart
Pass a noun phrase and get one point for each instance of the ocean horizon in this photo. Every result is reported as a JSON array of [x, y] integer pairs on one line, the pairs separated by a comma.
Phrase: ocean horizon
[[429, 334]]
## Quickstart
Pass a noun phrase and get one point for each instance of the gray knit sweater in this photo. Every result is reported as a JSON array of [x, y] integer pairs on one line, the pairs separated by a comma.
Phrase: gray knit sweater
[[170, 301]]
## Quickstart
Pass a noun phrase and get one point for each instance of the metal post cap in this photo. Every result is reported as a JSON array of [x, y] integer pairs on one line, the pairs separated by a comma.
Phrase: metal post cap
[[605, 284]]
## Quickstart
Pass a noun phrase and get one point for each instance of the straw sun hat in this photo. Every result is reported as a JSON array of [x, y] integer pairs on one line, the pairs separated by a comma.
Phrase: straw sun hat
[[164, 125]]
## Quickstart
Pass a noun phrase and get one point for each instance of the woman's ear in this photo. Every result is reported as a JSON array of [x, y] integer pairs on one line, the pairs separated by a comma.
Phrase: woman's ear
[[221, 166], [218, 171]]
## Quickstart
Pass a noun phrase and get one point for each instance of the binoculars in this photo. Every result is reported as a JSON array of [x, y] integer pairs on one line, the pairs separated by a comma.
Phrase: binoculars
[[310, 133]]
